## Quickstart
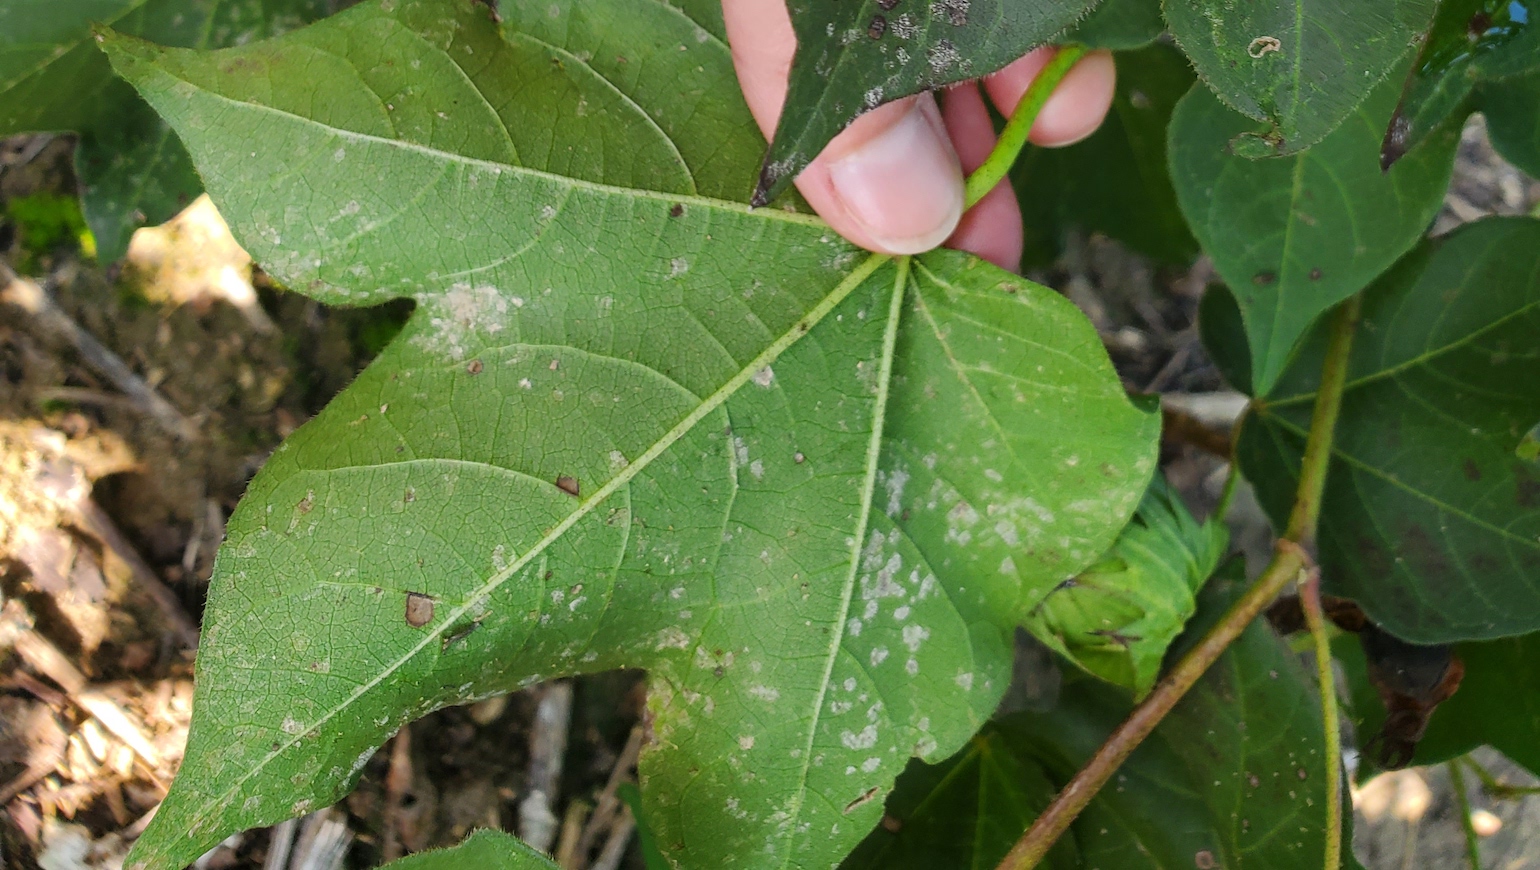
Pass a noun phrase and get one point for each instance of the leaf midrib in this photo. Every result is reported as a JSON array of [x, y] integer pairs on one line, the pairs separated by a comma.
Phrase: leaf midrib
[[710, 403]]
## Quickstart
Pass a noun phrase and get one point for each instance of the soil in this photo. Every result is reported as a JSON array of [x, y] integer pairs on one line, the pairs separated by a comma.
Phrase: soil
[[112, 506]]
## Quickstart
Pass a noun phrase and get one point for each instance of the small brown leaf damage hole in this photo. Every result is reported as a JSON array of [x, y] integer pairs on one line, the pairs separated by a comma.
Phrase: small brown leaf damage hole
[[474, 367], [864, 798], [1263, 45], [878, 27], [1204, 860], [419, 609], [567, 484], [676, 210], [1264, 278]]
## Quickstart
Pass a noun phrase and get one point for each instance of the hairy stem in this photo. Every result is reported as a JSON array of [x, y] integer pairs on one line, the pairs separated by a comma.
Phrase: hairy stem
[[1315, 619], [1290, 561], [1014, 137]]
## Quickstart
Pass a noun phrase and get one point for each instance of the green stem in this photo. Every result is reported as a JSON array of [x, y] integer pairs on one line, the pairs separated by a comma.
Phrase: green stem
[[1315, 619], [1472, 841], [1290, 560], [1495, 788], [1014, 137], [1323, 426]]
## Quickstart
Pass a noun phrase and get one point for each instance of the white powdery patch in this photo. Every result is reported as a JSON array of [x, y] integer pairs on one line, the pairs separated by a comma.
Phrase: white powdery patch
[[673, 638], [914, 635], [879, 655], [764, 377], [870, 764], [746, 742], [895, 485], [458, 315], [964, 681], [767, 694], [864, 740]]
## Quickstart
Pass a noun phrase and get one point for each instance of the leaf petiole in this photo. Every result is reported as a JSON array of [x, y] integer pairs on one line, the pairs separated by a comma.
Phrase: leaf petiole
[[1014, 137]]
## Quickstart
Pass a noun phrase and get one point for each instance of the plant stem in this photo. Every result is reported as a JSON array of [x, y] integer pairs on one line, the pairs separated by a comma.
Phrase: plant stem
[[1323, 426], [1462, 800], [1495, 788], [1014, 137], [1290, 560], [1315, 619]]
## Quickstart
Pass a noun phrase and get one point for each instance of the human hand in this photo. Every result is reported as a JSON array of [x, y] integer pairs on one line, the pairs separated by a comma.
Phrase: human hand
[[892, 182]]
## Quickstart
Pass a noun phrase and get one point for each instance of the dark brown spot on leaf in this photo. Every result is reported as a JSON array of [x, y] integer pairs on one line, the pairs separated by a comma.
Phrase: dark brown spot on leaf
[[567, 484], [419, 609], [676, 210], [474, 367], [887, 5], [877, 28], [865, 796], [1264, 278]]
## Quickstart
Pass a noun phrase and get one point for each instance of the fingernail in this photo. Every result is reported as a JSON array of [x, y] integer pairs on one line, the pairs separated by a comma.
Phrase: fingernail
[[904, 186]]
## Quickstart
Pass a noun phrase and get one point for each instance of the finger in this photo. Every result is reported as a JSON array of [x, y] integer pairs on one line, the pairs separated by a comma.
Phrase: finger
[[1078, 104], [992, 228], [891, 182]]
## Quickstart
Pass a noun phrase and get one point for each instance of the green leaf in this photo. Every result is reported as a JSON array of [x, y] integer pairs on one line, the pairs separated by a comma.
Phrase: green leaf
[[810, 490], [1223, 332], [1120, 25], [1430, 520], [132, 169], [1117, 181], [854, 56], [483, 850], [966, 811], [646, 840], [1294, 236], [1497, 705], [1301, 67], [1471, 42], [1234, 771], [1512, 110], [1117, 618]]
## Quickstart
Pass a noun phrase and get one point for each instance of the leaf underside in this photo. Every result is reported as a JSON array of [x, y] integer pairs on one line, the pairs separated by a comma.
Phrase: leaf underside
[[1431, 518], [1301, 66], [854, 56], [131, 167], [629, 424], [1294, 236]]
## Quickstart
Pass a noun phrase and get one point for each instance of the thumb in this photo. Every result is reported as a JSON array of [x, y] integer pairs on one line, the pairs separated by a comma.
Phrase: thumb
[[890, 182]]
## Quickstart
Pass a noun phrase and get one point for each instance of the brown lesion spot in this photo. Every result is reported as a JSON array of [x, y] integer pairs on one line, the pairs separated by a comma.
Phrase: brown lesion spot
[[419, 609]]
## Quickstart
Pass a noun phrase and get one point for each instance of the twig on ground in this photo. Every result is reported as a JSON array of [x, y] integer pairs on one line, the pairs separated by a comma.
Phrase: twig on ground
[[609, 805], [1290, 558], [398, 781], [547, 748], [571, 829], [324, 840], [45, 658], [30, 297], [280, 844], [615, 846], [95, 520]]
